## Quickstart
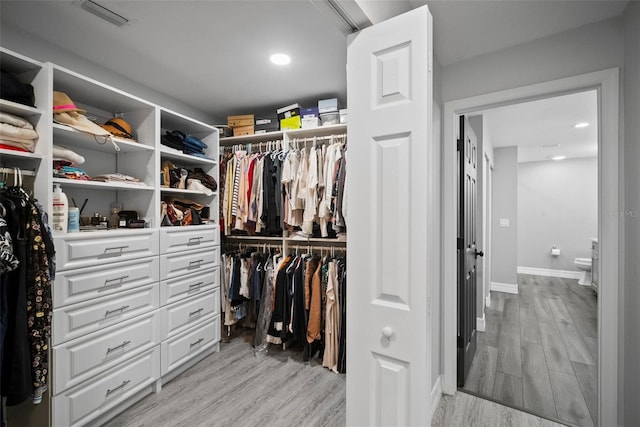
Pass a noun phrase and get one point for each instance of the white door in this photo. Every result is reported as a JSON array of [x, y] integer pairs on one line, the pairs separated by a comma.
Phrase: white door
[[389, 81]]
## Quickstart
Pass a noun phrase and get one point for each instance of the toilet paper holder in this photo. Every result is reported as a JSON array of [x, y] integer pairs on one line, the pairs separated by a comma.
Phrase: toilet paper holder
[[555, 251]]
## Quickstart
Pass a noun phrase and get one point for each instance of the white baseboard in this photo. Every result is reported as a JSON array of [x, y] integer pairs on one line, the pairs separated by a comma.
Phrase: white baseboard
[[549, 272], [436, 394], [510, 288], [480, 323], [487, 300]]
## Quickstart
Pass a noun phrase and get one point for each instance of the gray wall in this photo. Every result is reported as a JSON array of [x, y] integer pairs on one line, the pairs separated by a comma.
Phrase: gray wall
[[631, 251], [44, 51], [504, 245], [557, 205]]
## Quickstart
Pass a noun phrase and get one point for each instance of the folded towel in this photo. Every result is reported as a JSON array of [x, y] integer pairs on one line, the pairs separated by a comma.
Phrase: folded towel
[[12, 119], [64, 153], [27, 144], [17, 132]]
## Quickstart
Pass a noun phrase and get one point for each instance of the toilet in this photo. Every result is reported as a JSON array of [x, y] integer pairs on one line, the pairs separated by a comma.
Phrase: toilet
[[584, 264]]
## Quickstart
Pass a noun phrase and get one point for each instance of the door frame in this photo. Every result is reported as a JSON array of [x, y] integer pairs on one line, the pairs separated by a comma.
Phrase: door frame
[[606, 82]]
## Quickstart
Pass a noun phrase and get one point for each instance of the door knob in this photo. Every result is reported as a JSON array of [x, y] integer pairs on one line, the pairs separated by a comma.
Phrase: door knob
[[387, 331], [479, 253]]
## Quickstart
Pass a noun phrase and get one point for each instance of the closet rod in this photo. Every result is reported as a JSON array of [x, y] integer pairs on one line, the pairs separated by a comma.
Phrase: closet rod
[[24, 172]]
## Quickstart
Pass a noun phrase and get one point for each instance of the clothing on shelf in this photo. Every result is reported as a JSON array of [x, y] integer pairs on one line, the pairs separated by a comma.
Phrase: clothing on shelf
[[297, 300], [299, 188], [27, 269], [16, 133]]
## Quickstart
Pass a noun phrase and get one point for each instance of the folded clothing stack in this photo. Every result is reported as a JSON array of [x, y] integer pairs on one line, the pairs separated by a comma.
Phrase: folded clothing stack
[[65, 162], [17, 133], [188, 144], [117, 177]]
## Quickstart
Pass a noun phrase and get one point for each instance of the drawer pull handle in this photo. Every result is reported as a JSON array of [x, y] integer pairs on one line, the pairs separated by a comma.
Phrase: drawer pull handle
[[119, 249], [194, 240], [198, 311], [195, 285], [117, 310], [112, 349], [196, 263], [193, 344], [109, 282], [120, 387]]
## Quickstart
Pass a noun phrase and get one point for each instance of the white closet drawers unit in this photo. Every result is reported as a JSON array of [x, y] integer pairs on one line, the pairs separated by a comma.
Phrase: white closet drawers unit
[[175, 240], [88, 249], [189, 293], [106, 319], [182, 315], [79, 405], [81, 359], [89, 283], [189, 344], [188, 285], [83, 318]]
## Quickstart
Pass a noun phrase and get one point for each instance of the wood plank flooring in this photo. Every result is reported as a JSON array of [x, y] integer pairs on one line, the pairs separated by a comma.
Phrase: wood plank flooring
[[539, 350], [236, 388]]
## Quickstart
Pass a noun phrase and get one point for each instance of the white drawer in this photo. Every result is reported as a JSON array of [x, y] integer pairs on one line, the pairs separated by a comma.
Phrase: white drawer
[[183, 347], [178, 265], [79, 405], [80, 359], [88, 283], [89, 316], [77, 250], [181, 315], [179, 239], [185, 286]]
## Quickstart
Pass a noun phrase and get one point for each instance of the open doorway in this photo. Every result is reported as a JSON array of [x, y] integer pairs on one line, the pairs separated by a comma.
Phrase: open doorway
[[606, 83], [537, 310]]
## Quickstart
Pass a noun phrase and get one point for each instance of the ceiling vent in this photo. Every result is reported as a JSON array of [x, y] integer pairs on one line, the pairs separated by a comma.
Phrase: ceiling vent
[[103, 12]]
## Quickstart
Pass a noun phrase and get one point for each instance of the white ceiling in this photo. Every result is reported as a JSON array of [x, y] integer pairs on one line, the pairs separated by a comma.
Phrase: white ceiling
[[213, 55], [543, 129]]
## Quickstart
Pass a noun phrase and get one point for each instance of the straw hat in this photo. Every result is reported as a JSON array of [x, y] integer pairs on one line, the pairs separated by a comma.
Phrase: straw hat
[[80, 122], [62, 103], [119, 127]]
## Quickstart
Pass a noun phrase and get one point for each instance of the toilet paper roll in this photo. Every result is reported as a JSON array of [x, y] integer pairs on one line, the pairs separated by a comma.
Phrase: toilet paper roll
[[555, 252]]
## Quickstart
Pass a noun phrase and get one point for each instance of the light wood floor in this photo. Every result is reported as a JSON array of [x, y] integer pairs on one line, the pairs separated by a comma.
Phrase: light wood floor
[[236, 388], [539, 350]]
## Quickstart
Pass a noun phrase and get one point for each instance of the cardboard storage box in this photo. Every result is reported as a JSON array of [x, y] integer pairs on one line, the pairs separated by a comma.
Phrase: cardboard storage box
[[309, 122], [327, 105], [243, 130], [267, 124], [238, 121], [293, 122], [309, 112]]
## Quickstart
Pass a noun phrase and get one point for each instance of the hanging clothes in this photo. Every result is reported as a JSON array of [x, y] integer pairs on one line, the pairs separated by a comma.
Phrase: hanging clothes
[[25, 290]]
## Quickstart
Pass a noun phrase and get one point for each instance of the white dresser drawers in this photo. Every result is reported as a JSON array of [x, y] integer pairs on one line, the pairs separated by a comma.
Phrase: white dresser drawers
[[79, 405], [75, 250], [178, 265], [92, 282], [176, 239], [80, 359], [185, 286], [80, 319], [181, 315], [189, 344]]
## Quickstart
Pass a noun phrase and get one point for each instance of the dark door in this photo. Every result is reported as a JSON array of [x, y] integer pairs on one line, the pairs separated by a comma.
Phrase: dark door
[[467, 251]]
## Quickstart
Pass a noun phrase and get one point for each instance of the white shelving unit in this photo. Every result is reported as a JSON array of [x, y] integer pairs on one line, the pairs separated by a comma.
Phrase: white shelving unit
[[123, 299]]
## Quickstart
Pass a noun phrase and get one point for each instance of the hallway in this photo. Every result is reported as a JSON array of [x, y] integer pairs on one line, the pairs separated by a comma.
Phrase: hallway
[[539, 350]]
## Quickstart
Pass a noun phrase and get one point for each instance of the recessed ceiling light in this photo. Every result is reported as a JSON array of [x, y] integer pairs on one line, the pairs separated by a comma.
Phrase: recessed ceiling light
[[581, 125], [551, 146], [280, 59], [558, 157]]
